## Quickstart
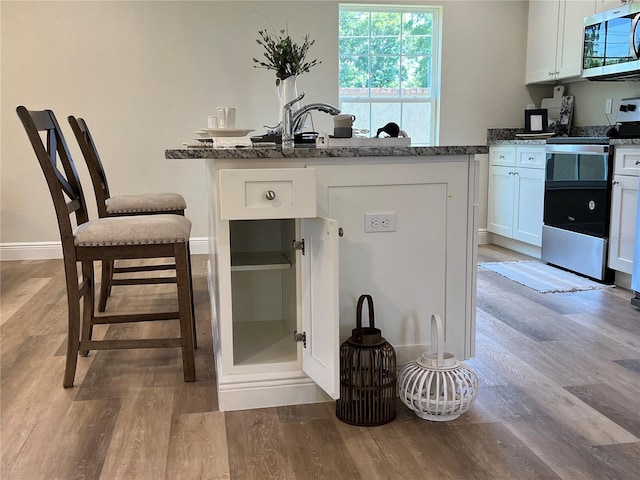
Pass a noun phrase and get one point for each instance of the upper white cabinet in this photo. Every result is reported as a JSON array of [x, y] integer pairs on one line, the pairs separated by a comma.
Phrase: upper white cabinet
[[554, 39], [516, 192], [624, 206]]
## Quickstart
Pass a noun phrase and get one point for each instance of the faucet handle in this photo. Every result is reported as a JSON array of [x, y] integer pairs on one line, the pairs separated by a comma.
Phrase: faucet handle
[[295, 100]]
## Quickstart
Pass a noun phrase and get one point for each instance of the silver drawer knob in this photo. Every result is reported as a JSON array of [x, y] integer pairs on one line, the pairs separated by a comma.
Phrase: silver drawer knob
[[270, 195]]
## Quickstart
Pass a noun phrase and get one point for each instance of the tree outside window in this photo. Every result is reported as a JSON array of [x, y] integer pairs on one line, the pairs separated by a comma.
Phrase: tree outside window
[[389, 67]]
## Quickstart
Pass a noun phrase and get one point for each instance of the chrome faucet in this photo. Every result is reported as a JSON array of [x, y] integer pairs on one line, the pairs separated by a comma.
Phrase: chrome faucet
[[293, 122]]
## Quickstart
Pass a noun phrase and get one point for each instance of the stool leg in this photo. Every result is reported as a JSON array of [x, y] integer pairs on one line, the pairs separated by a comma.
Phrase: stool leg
[[182, 261], [105, 284], [73, 333], [193, 307], [88, 302]]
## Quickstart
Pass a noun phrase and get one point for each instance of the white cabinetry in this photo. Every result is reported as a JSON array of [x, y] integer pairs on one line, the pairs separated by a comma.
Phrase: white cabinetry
[[273, 274], [554, 39], [278, 268], [623, 208], [516, 192]]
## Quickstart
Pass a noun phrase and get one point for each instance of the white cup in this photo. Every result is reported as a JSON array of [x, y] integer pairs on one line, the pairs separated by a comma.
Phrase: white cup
[[212, 121], [226, 117], [344, 120]]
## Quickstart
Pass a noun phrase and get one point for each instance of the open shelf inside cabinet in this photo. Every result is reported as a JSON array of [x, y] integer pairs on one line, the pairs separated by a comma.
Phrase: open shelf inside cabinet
[[263, 284]]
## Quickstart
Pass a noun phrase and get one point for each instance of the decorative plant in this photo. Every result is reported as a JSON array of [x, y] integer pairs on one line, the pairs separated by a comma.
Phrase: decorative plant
[[284, 56]]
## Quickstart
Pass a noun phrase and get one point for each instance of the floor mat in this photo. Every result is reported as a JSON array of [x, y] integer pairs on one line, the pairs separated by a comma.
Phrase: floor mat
[[542, 277]]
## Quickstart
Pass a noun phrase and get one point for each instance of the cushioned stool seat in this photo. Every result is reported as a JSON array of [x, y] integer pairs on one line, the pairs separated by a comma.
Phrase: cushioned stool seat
[[145, 203], [138, 230]]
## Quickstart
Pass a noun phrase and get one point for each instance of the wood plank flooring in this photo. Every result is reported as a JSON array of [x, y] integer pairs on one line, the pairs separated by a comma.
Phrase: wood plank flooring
[[559, 397]]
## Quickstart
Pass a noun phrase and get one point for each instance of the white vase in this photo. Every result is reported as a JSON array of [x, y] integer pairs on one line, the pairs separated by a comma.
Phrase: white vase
[[287, 91]]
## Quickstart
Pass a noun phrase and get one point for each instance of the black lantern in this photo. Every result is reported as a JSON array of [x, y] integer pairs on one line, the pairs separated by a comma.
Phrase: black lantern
[[367, 375]]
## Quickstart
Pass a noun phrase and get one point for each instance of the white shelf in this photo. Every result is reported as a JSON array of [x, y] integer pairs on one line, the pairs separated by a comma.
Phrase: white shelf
[[263, 342], [250, 261]]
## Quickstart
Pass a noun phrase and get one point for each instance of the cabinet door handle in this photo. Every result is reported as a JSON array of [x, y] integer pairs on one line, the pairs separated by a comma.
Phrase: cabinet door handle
[[270, 195], [531, 159], [637, 162], [615, 182], [501, 157]]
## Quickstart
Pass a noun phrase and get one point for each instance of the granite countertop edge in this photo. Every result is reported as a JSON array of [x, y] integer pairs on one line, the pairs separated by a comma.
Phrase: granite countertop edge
[[266, 152]]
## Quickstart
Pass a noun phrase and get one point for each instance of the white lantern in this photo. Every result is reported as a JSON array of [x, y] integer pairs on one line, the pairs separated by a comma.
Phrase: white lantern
[[437, 386]]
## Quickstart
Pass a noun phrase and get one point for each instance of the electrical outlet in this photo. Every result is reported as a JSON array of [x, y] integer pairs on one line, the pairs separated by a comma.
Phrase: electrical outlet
[[379, 222], [608, 107]]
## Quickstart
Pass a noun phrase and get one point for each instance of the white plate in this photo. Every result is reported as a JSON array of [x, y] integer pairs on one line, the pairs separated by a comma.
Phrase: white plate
[[228, 132]]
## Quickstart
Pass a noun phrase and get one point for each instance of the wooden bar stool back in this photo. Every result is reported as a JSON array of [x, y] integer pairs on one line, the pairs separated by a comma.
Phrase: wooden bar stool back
[[120, 205], [85, 241]]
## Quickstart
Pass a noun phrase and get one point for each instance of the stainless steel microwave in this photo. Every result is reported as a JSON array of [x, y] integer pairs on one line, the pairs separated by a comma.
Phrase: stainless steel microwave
[[611, 44]]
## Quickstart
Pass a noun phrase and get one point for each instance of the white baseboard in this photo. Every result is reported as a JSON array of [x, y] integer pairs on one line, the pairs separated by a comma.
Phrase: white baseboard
[[484, 236], [517, 246], [52, 250]]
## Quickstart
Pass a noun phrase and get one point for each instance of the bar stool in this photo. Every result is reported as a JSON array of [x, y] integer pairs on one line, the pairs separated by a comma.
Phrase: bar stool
[[107, 239], [120, 205]]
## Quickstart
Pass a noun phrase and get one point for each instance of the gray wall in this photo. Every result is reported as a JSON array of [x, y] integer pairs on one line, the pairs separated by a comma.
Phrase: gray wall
[[145, 75]]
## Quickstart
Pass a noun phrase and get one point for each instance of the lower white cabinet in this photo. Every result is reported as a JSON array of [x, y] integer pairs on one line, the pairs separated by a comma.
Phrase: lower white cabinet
[[284, 277], [624, 204], [516, 192]]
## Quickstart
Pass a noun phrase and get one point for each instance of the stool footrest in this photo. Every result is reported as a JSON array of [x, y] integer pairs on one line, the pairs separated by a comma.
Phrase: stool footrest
[[137, 317], [130, 344]]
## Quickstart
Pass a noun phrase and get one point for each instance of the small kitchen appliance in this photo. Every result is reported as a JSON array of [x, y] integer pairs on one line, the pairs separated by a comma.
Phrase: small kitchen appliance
[[437, 386], [367, 374]]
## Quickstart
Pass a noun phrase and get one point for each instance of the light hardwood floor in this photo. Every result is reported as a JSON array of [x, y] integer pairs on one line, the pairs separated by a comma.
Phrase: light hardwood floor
[[559, 398]]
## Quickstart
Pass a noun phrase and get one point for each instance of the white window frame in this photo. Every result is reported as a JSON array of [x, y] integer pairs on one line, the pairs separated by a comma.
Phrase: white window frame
[[436, 56]]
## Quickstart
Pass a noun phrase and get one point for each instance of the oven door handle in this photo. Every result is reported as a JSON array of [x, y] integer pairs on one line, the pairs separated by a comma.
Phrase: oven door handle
[[635, 47]]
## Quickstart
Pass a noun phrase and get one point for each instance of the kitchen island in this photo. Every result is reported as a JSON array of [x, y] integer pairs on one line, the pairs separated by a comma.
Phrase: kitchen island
[[297, 236]]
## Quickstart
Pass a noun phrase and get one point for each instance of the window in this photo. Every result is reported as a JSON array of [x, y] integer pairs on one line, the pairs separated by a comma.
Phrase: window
[[390, 68]]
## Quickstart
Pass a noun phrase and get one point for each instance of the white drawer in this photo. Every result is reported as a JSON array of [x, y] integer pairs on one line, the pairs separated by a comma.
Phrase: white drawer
[[247, 194], [502, 156], [626, 161], [531, 157]]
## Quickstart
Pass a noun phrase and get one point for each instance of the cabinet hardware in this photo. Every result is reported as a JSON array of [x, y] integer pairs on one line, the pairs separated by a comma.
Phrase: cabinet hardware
[[615, 182], [501, 157], [300, 337], [340, 232], [270, 195], [637, 162], [531, 159], [299, 245]]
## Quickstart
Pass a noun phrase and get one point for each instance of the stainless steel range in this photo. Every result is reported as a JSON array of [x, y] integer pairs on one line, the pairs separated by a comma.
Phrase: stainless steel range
[[577, 201], [577, 205]]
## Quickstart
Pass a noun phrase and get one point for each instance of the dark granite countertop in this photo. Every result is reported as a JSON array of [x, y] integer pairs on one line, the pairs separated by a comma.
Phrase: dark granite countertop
[[272, 152], [507, 136]]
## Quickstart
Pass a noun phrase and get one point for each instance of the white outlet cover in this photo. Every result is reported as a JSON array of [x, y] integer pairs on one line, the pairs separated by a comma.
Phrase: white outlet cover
[[380, 222]]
